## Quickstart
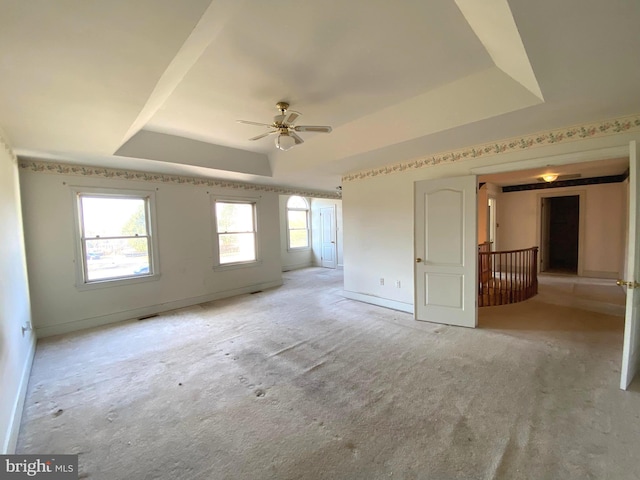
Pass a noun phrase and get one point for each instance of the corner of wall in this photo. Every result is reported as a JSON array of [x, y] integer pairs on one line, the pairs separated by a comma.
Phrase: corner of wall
[[4, 144], [17, 344], [13, 429]]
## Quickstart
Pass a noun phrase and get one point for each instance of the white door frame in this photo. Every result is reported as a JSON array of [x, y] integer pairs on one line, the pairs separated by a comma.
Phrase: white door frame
[[552, 160], [492, 220]]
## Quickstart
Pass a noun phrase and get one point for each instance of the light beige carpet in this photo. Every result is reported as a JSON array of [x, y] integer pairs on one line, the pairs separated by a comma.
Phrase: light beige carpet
[[595, 294], [299, 383]]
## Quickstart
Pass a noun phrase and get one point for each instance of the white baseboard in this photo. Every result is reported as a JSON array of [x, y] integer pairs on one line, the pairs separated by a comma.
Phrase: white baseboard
[[11, 435], [381, 302], [298, 266], [600, 274], [50, 330]]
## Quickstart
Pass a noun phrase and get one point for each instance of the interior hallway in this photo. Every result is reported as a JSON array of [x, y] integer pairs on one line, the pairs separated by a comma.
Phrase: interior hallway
[[299, 382]]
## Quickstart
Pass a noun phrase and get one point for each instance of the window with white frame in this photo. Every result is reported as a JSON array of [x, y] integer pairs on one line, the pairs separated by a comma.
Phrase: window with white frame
[[298, 222], [115, 235], [235, 222]]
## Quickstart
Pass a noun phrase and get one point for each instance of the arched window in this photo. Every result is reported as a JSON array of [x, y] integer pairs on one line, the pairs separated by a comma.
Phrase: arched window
[[298, 222]]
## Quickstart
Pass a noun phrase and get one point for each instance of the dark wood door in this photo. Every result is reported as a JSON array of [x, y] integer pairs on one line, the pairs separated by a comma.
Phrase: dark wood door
[[564, 214]]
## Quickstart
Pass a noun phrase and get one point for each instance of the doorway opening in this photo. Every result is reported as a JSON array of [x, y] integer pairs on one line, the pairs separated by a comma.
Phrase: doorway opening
[[560, 217], [587, 286]]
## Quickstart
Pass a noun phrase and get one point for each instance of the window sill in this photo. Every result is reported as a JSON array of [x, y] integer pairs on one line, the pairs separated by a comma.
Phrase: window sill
[[117, 282], [298, 249], [234, 266]]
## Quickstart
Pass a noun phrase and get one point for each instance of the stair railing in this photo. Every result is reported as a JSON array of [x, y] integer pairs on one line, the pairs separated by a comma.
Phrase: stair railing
[[506, 277]]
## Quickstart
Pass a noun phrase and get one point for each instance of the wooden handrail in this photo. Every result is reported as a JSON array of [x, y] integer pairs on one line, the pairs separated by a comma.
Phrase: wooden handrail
[[506, 277]]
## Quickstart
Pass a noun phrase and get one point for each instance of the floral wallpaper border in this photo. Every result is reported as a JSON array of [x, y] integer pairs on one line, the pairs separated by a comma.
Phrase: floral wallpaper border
[[593, 130], [117, 174]]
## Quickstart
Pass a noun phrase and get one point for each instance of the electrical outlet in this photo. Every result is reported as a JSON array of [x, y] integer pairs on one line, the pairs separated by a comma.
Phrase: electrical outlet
[[381, 281], [398, 283]]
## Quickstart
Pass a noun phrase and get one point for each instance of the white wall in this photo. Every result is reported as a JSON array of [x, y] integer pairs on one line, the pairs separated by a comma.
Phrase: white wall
[[16, 348], [604, 224], [378, 239], [185, 242], [292, 259], [378, 216], [316, 237]]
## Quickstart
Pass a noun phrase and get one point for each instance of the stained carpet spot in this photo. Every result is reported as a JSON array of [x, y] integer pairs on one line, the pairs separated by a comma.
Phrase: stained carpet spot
[[352, 448], [58, 413]]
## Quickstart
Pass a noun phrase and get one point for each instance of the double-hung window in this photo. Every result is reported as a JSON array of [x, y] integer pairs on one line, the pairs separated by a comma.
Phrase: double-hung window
[[236, 231], [115, 235], [297, 222]]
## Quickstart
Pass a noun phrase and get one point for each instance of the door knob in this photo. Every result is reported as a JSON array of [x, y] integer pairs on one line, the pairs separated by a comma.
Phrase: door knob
[[418, 260], [622, 283]]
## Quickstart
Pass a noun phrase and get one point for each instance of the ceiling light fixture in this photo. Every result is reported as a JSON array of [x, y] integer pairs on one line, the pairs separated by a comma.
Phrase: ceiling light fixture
[[283, 126], [284, 141], [550, 177]]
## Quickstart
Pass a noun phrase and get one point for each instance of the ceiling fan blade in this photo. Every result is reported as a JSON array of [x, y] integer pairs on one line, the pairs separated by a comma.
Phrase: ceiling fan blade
[[291, 116], [263, 135], [313, 128], [255, 123], [296, 137]]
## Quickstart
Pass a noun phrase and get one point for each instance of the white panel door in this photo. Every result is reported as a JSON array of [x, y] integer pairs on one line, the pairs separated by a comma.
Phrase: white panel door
[[446, 251], [328, 237], [631, 347]]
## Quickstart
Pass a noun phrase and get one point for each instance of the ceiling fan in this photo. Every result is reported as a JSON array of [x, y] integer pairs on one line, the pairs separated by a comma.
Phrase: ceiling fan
[[284, 126]]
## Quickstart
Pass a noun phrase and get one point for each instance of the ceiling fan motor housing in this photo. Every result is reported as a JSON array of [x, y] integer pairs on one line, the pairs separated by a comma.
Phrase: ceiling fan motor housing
[[282, 106]]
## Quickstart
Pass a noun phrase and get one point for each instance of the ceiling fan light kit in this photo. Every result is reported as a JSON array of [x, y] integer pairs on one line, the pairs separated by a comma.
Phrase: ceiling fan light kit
[[283, 126], [284, 141]]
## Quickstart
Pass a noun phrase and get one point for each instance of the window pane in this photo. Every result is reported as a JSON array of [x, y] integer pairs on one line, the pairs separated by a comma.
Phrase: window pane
[[298, 239], [297, 202], [237, 247], [297, 219], [234, 217], [113, 217], [107, 259]]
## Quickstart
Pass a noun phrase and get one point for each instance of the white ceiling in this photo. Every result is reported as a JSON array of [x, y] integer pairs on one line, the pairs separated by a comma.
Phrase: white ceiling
[[157, 85]]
